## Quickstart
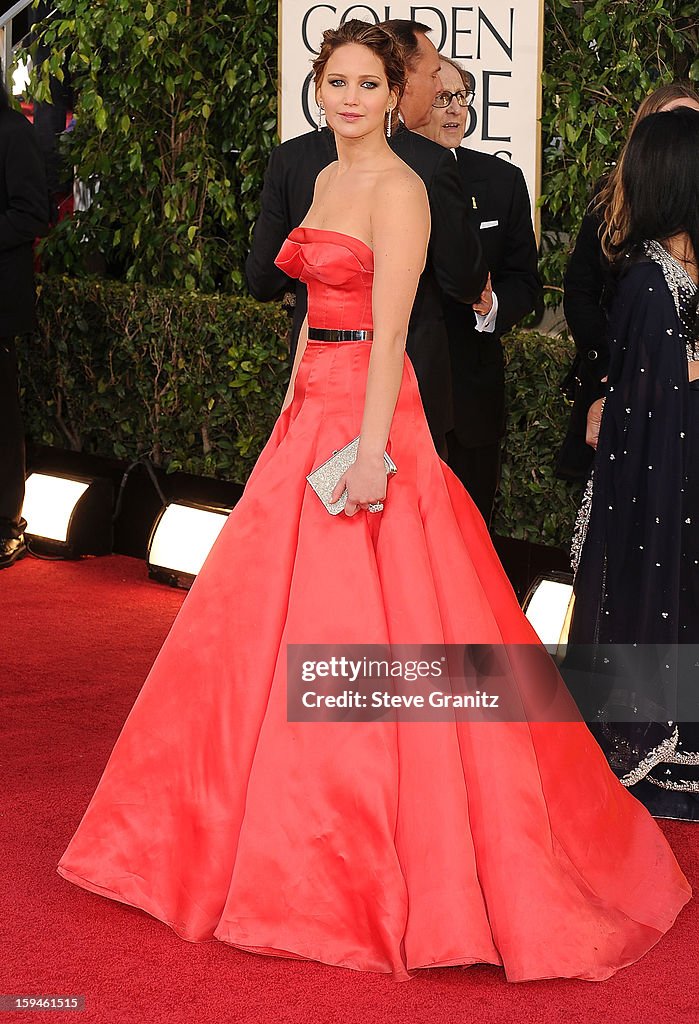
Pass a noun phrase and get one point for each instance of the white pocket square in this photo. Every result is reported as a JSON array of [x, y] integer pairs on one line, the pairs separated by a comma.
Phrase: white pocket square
[[489, 224]]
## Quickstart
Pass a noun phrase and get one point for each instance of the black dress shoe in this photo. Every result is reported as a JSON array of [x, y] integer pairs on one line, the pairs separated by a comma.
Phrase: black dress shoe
[[11, 549]]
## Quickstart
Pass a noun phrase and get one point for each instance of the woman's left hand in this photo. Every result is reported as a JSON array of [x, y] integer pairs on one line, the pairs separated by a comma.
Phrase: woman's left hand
[[365, 482]]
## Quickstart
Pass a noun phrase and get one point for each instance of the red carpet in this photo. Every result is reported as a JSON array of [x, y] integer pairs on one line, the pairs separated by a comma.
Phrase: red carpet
[[78, 641]]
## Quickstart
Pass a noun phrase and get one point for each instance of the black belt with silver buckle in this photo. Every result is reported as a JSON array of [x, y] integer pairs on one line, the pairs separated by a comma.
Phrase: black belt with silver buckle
[[316, 334]]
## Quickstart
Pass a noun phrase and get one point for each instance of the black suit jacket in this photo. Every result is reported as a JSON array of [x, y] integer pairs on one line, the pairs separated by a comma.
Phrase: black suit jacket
[[586, 292], [586, 297], [500, 210], [455, 264], [24, 213]]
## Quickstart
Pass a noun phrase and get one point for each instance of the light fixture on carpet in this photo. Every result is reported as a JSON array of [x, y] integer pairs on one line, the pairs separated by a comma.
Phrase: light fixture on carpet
[[68, 516], [549, 607], [181, 539]]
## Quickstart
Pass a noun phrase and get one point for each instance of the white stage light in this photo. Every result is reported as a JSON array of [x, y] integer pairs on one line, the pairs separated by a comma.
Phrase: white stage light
[[20, 75], [549, 606], [49, 502], [182, 537], [68, 516]]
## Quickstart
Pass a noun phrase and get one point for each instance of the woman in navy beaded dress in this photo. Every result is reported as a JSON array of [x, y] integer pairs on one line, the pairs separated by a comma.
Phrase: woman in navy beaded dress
[[636, 549]]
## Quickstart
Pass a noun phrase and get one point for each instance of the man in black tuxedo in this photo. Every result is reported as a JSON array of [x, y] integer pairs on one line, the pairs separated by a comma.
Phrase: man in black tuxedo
[[455, 265], [24, 212], [499, 206]]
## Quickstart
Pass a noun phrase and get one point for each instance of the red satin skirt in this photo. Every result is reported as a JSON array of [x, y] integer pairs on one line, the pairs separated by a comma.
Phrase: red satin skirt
[[380, 846]]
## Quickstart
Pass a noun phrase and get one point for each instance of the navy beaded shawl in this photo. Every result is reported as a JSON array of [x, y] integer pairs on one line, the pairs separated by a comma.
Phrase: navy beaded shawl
[[628, 582]]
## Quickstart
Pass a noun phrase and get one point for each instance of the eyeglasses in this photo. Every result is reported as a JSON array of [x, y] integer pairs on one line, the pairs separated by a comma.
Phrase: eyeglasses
[[462, 97]]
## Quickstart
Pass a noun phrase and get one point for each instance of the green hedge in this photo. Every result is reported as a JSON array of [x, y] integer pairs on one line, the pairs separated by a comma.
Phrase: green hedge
[[532, 504], [601, 58], [196, 381], [175, 115]]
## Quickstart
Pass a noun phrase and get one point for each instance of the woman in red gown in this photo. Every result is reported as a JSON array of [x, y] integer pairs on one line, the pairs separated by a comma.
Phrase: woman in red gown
[[387, 845]]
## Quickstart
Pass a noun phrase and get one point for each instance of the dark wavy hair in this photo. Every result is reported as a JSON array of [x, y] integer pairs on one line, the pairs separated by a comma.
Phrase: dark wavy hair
[[660, 182], [660, 179], [609, 201], [376, 38]]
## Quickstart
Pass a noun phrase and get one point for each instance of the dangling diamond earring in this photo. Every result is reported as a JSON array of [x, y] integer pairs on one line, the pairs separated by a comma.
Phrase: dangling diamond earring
[[388, 122], [321, 113]]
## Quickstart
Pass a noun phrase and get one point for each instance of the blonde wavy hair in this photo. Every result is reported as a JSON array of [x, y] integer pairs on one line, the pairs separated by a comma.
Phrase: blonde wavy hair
[[610, 201]]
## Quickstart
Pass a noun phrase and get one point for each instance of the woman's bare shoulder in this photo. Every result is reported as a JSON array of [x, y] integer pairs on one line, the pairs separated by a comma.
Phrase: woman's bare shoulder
[[406, 175], [400, 183], [400, 212], [324, 177], [327, 171]]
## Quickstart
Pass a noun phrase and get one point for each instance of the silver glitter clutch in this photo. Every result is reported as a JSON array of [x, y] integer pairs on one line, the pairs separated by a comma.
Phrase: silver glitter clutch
[[325, 477]]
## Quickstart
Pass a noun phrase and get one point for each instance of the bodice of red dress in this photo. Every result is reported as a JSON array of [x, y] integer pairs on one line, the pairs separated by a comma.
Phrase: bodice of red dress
[[338, 271]]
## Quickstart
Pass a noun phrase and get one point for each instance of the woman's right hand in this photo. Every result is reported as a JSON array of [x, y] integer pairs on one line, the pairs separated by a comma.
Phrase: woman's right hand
[[594, 420], [365, 482]]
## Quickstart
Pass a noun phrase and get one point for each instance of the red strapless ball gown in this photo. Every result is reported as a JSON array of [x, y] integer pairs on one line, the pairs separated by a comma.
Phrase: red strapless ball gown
[[380, 846]]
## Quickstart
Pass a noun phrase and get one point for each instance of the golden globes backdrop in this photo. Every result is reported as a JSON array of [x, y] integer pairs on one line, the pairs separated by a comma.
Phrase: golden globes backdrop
[[499, 42]]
